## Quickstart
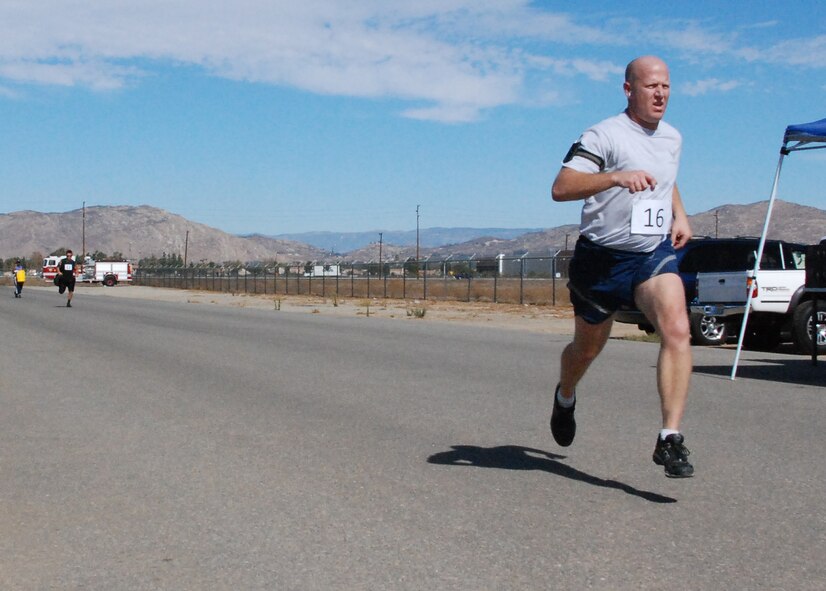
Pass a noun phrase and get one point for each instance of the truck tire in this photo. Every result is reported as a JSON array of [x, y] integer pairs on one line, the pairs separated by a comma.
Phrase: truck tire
[[708, 330], [110, 280], [802, 327]]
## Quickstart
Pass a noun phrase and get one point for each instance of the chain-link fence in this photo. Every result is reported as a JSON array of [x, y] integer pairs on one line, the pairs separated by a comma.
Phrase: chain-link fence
[[511, 280]]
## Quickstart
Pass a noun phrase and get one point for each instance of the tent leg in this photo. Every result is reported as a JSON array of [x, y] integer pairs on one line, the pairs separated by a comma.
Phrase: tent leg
[[757, 262]]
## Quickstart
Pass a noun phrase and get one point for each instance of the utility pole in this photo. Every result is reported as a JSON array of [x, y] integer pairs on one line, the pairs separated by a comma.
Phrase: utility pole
[[186, 247], [83, 239], [381, 270], [417, 237], [716, 222]]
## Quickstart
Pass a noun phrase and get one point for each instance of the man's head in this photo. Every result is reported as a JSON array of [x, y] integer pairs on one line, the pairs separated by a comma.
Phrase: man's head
[[647, 87], [69, 254]]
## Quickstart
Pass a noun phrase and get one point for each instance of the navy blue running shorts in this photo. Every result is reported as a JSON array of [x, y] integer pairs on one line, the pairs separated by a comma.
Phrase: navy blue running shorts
[[602, 279]]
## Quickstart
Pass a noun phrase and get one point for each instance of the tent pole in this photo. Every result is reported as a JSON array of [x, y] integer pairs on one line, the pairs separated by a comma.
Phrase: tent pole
[[783, 153]]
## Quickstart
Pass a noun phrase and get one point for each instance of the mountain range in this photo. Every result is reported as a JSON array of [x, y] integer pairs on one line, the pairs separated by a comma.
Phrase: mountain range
[[143, 231], [340, 242]]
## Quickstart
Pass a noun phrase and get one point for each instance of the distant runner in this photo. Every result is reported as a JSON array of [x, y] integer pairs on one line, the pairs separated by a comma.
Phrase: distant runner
[[66, 272], [19, 279]]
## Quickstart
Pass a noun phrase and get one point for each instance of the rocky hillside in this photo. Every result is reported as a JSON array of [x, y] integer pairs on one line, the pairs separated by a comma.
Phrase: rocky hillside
[[144, 231], [790, 221], [137, 232]]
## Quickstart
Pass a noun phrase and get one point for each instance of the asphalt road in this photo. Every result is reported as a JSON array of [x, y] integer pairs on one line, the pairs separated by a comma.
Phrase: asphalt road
[[151, 445]]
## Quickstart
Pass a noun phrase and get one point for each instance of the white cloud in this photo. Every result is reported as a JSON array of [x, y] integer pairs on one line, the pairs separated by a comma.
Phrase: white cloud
[[95, 75], [800, 52], [761, 25], [692, 39], [364, 49], [445, 113], [709, 85], [451, 59], [598, 70]]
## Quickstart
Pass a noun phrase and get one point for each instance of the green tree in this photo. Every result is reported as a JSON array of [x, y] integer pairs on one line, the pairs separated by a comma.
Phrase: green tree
[[36, 259]]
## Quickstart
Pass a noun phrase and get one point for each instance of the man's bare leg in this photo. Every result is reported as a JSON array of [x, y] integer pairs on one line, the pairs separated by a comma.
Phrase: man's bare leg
[[589, 340], [662, 300]]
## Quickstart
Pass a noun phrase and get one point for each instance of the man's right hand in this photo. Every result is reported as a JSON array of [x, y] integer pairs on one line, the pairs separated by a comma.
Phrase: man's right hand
[[634, 180], [572, 184]]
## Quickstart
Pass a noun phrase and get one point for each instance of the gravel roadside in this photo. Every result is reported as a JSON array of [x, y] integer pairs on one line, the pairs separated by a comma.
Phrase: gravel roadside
[[542, 319]]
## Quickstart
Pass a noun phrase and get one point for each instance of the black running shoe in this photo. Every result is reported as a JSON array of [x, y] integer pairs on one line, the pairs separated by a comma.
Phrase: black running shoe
[[563, 424], [673, 456], [68, 304]]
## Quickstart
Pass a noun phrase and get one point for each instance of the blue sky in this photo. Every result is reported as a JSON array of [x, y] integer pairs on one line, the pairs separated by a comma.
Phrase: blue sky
[[275, 117]]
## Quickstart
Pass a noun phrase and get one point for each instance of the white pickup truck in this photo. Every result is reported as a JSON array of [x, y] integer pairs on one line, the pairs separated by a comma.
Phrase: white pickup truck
[[781, 308]]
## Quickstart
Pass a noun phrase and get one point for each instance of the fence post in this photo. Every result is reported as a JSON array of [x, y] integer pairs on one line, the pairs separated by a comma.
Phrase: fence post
[[425, 281], [444, 278], [521, 280]]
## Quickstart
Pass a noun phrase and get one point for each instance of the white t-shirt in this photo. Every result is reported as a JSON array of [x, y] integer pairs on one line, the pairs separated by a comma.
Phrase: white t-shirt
[[617, 218]]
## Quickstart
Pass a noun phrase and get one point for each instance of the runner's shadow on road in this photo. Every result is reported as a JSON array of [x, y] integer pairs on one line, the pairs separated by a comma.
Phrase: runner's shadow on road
[[514, 457]]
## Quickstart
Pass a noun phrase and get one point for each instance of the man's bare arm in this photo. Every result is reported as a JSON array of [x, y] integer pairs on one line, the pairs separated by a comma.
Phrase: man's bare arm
[[572, 185]]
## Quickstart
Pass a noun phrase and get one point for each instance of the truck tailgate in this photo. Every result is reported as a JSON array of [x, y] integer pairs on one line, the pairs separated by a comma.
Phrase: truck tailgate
[[722, 288]]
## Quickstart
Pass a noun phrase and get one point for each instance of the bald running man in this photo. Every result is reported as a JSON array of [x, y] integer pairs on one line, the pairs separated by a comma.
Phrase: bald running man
[[633, 219]]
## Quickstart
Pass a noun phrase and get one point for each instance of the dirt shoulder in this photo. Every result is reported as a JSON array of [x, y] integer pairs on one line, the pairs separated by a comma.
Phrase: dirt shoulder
[[543, 319]]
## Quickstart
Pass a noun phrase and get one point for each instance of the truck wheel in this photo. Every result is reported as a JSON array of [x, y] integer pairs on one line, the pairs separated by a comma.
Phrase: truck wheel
[[708, 330], [802, 327], [110, 280]]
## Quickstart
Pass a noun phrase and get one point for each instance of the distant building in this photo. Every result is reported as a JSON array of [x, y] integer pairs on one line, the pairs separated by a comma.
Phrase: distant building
[[323, 271]]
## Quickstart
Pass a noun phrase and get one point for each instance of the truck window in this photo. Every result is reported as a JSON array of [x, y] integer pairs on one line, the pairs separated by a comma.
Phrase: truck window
[[725, 256], [795, 256]]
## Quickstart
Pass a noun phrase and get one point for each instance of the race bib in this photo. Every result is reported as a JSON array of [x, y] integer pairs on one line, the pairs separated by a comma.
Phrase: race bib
[[68, 266], [650, 216]]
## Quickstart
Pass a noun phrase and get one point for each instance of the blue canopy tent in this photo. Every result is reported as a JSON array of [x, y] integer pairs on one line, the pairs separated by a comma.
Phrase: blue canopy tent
[[805, 136]]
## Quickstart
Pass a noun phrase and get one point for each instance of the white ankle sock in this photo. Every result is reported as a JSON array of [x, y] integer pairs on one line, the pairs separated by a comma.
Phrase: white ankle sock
[[565, 402], [666, 432]]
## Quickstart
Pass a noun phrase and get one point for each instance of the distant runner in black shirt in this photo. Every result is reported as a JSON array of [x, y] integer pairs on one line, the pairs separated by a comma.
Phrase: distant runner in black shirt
[[66, 268]]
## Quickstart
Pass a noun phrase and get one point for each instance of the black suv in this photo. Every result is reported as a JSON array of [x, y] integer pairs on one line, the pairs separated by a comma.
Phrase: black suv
[[718, 255]]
